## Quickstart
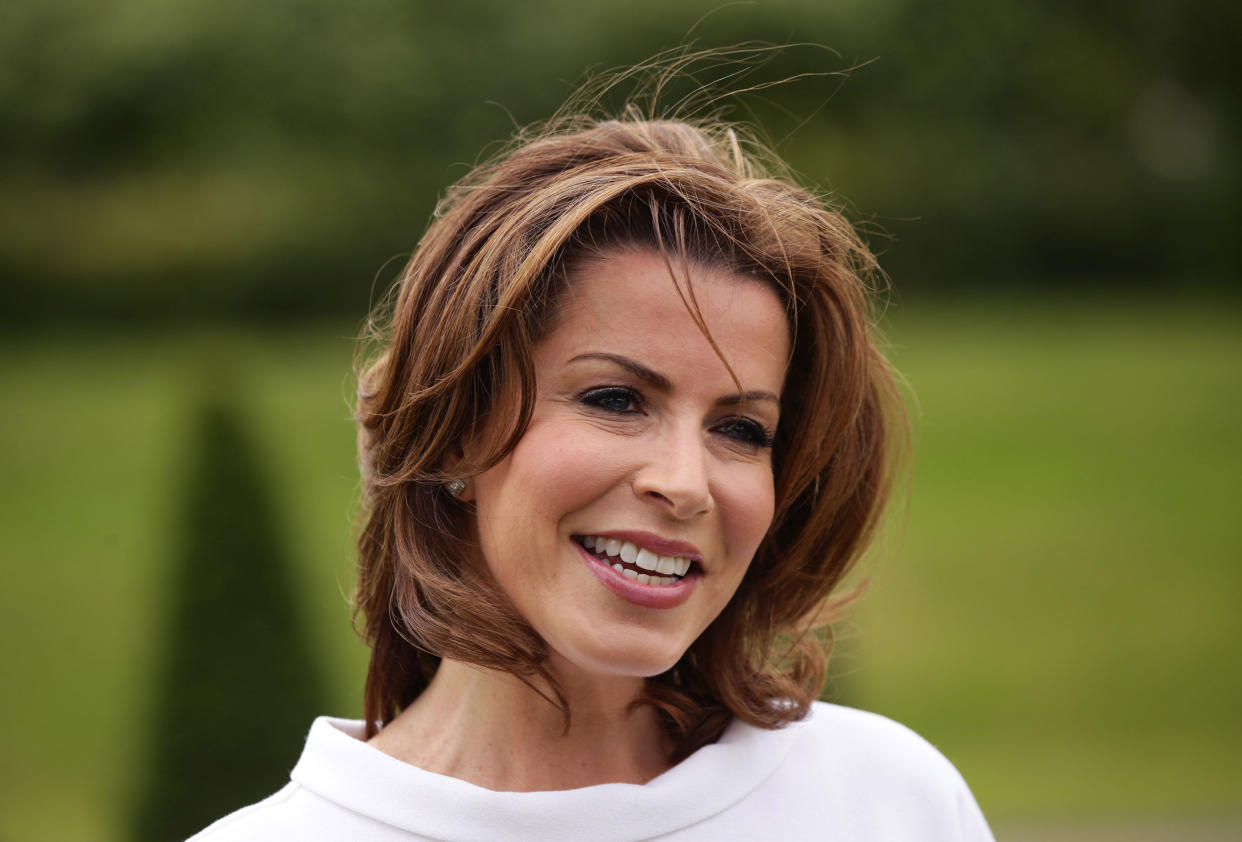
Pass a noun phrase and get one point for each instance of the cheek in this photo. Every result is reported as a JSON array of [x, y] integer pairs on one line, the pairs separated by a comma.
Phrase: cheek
[[563, 467], [748, 503], [555, 470]]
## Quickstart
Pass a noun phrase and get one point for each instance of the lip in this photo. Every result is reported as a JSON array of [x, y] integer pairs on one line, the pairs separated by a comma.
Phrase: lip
[[646, 596]]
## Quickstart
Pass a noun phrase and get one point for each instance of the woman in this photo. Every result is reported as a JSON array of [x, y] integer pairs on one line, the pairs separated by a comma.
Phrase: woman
[[626, 433]]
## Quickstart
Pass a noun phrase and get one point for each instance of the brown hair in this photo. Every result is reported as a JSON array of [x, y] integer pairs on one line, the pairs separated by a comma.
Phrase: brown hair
[[481, 290]]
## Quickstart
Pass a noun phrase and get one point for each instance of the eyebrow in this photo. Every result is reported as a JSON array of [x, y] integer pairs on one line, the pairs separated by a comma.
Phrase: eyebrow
[[658, 381]]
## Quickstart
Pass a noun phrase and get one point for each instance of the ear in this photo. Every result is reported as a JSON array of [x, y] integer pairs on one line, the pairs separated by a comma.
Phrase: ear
[[459, 488]]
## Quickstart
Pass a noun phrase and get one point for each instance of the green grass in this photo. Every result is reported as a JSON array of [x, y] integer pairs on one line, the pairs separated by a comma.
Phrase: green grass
[[1061, 615], [1057, 613], [93, 433]]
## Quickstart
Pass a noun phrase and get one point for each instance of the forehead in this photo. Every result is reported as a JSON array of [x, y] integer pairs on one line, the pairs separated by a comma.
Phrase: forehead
[[636, 302]]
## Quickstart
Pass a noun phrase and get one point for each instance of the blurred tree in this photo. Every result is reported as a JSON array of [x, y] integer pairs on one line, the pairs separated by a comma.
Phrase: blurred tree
[[185, 158], [239, 685]]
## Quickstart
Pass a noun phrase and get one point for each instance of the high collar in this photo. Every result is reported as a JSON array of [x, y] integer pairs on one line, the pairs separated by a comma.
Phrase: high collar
[[339, 766]]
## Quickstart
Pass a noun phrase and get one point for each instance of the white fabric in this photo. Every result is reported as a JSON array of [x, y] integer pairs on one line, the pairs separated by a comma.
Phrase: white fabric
[[842, 774]]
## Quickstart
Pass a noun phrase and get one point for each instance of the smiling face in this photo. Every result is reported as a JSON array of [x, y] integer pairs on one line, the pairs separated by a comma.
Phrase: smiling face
[[625, 518]]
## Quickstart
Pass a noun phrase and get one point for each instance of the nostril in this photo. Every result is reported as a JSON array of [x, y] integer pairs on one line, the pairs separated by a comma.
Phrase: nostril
[[686, 493]]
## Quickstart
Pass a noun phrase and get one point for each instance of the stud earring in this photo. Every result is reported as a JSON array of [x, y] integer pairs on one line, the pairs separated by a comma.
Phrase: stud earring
[[455, 487]]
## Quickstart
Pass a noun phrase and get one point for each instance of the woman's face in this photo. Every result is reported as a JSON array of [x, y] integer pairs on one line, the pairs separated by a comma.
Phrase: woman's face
[[626, 516]]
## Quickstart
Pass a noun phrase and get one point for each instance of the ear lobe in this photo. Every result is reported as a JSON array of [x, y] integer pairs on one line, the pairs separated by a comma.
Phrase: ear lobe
[[458, 488]]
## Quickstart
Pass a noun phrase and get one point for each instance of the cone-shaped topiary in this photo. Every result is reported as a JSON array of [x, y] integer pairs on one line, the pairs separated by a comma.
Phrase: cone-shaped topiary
[[239, 685]]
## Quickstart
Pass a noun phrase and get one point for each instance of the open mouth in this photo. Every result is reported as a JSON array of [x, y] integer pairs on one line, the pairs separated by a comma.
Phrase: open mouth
[[635, 562]]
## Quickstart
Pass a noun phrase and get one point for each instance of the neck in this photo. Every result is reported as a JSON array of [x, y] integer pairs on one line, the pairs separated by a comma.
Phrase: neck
[[492, 730]]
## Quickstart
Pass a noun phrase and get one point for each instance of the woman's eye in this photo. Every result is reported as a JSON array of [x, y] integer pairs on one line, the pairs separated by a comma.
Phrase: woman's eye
[[613, 399], [746, 431]]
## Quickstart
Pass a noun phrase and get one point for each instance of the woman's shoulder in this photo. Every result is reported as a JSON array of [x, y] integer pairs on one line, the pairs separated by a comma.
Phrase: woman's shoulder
[[870, 744], [868, 765], [854, 729], [298, 811], [252, 822]]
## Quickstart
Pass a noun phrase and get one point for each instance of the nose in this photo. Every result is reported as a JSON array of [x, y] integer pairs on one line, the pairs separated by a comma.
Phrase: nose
[[676, 475]]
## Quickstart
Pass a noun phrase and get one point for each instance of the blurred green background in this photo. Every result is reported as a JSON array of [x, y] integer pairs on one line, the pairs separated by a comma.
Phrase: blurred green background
[[200, 202]]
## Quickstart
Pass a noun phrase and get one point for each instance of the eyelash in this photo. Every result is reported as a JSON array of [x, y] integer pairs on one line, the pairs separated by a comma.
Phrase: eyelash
[[745, 431], [750, 432], [597, 398]]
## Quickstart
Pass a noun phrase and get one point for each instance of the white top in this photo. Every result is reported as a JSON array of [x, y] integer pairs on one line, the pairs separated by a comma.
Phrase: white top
[[841, 774]]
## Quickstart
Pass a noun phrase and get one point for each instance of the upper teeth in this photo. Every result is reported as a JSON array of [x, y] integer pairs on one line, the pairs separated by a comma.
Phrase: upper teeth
[[665, 565]]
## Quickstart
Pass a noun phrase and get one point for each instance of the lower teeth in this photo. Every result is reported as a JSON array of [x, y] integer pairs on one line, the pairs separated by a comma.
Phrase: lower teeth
[[644, 578]]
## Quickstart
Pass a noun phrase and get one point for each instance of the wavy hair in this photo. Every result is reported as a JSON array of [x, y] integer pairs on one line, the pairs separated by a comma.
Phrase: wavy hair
[[454, 364]]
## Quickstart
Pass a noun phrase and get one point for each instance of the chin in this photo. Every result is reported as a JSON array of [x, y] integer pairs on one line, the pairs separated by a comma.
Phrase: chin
[[639, 661]]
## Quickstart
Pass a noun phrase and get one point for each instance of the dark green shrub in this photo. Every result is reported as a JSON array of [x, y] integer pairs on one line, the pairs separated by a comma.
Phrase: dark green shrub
[[239, 685]]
